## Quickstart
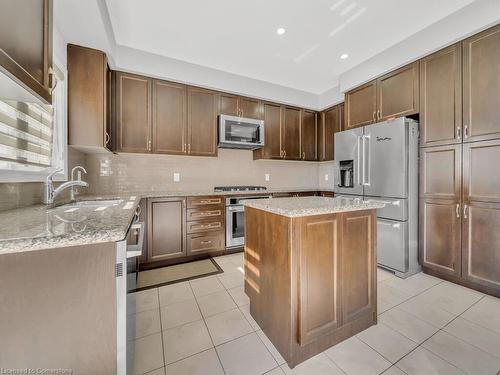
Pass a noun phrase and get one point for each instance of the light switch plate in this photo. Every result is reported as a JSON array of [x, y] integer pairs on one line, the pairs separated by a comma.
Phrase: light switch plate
[[267, 177], [326, 177], [177, 177]]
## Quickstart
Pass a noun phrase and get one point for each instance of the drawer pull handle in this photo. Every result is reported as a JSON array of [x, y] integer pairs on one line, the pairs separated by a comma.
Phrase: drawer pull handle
[[205, 242]]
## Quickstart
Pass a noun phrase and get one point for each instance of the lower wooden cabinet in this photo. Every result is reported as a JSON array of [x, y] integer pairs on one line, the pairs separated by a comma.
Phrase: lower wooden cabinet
[[166, 228], [440, 235], [205, 242]]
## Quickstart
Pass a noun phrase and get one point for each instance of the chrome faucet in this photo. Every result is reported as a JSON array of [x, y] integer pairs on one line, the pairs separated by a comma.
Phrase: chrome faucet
[[49, 193], [80, 169]]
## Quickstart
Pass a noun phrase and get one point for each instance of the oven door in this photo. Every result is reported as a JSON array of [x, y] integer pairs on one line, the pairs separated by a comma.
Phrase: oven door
[[235, 226]]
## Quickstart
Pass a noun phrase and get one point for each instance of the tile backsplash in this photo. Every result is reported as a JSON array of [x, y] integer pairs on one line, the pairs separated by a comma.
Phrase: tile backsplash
[[109, 174], [115, 174]]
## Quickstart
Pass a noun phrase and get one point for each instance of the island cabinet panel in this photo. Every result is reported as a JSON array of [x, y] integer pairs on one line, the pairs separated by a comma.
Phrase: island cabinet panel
[[358, 265], [319, 273], [311, 280], [202, 122], [133, 113], [398, 93], [169, 117], [441, 97], [166, 228], [481, 86]]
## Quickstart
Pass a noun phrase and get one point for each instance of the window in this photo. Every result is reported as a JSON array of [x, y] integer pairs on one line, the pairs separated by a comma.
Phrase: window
[[33, 137]]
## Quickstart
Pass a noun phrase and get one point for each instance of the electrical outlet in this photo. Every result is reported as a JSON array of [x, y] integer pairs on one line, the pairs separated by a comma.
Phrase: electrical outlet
[[267, 177], [177, 177], [326, 177]]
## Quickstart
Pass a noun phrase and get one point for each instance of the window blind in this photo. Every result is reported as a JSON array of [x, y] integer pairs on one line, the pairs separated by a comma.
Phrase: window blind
[[26, 133]]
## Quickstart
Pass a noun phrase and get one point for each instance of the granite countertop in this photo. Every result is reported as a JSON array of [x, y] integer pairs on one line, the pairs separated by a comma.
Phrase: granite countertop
[[310, 206], [38, 227]]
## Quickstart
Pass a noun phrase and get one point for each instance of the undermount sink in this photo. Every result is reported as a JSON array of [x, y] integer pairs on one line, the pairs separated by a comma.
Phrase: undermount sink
[[93, 203]]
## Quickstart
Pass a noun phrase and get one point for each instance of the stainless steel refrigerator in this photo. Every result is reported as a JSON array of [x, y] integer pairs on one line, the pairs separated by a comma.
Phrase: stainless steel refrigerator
[[380, 162]]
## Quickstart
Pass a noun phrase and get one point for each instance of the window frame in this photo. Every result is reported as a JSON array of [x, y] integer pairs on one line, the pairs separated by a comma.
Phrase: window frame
[[13, 176]]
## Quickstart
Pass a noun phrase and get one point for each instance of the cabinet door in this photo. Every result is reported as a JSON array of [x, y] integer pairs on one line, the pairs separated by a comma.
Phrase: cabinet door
[[272, 133], [166, 229], [308, 136], [202, 122], [481, 244], [319, 274], [441, 97], [358, 259], [361, 105], [330, 125], [440, 235], [441, 172], [291, 134], [342, 117], [88, 96], [398, 93], [228, 105], [169, 118], [250, 108], [481, 85], [26, 43], [133, 113]]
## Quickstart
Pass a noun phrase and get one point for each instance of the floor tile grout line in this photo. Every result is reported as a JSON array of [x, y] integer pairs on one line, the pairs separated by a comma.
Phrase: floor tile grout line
[[161, 333], [334, 363], [441, 330], [209, 334]]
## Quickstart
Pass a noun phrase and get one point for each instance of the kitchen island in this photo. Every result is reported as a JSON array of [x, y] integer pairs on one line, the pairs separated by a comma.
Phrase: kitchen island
[[310, 271]]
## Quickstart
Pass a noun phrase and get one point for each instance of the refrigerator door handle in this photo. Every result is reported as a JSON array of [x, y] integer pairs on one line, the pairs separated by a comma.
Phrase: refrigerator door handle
[[368, 159], [358, 161]]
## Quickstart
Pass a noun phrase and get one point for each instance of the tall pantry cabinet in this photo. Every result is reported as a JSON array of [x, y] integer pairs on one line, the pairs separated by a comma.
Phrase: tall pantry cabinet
[[460, 152]]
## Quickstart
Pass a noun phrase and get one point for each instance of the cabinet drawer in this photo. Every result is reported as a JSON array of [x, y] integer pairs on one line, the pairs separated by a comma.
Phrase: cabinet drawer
[[194, 202], [204, 226], [198, 243], [205, 213]]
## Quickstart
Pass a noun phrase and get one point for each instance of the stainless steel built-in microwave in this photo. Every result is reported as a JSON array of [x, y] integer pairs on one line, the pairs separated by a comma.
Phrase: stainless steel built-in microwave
[[239, 132]]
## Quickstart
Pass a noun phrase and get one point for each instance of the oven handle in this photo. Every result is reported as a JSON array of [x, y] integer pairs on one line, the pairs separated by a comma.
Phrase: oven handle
[[136, 250], [236, 208]]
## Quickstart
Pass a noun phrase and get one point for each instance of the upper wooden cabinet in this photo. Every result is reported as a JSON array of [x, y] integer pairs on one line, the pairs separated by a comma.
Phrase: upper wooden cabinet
[[330, 123], [240, 106], [395, 94], [309, 136], [398, 93], [201, 122], [441, 97], [132, 129], [361, 105], [272, 133], [89, 99], [169, 117], [481, 86], [26, 44], [291, 134]]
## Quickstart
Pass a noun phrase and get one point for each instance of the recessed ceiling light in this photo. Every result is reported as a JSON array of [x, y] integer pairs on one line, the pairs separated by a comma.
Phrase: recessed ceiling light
[[280, 31], [344, 56]]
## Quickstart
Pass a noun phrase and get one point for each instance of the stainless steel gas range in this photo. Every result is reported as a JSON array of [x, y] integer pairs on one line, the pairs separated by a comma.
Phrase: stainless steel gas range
[[235, 212]]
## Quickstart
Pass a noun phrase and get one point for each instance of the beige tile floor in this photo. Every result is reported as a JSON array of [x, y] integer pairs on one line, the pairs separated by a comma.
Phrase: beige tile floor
[[426, 326]]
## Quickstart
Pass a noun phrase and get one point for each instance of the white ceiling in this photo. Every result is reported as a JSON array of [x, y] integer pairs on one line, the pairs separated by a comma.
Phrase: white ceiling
[[240, 37]]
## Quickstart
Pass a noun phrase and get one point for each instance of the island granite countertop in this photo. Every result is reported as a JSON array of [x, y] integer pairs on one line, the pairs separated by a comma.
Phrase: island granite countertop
[[38, 227], [310, 206]]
